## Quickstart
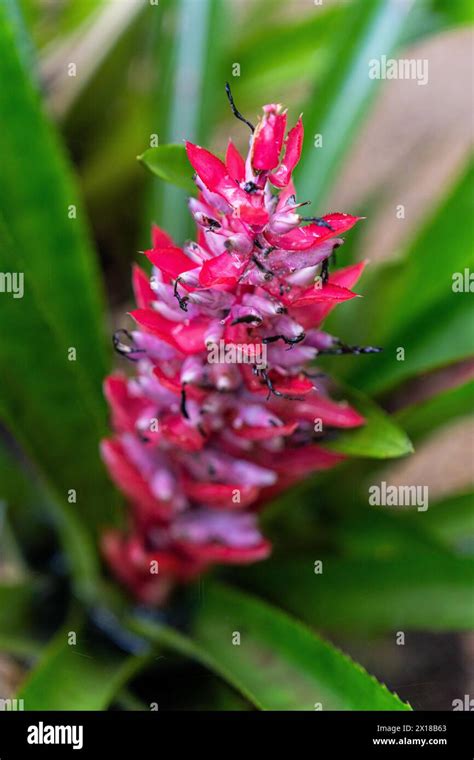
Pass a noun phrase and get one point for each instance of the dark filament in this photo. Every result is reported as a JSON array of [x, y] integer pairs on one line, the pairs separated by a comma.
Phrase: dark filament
[[250, 187], [319, 221], [213, 224], [289, 341], [247, 319], [237, 113], [262, 268], [343, 348], [183, 302], [271, 389], [122, 348], [184, 411]]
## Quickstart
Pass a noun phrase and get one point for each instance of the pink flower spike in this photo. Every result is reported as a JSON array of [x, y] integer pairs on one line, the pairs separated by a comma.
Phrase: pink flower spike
[[217, 416]]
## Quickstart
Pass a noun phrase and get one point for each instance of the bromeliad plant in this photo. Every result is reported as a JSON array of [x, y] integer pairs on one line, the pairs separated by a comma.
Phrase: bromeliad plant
[[202, 445]]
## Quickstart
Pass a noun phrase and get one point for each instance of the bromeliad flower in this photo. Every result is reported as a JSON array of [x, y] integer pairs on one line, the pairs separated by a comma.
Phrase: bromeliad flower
[[202, 441]]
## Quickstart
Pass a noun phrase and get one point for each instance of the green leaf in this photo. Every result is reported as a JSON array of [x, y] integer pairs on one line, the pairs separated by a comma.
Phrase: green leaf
[[52, 405], [170, 163], [83, 676], [425, 591], [335, 110], [411, 304], [279, 665], [414, 289], [38, 199], [38, 380], [380, 437]]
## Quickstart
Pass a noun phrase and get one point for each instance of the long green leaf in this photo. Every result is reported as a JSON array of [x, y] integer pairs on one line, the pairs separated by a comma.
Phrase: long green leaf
[[279, 663], [425, 591], [78, 676], [52, 354], [372, 28], [411, 305], [46, 221], [43, 407]]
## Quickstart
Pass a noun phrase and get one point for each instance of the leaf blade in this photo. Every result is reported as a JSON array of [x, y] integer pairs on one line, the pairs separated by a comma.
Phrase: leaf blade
[[79, 676], [170, 163], [280, 664]]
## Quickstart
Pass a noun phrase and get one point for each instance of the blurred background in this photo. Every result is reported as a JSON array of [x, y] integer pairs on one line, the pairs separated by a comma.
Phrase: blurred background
[[116, 76]]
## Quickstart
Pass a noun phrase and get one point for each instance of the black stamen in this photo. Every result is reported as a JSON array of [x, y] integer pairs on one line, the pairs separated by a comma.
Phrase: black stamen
[[183, 302], [237, 113], [262, 268], [343, 348], [213, 224], [247, 319], [271, 389], [325, 271], [250, 187], [122, 348], [319, 221], [289, 341], [184, 411]]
